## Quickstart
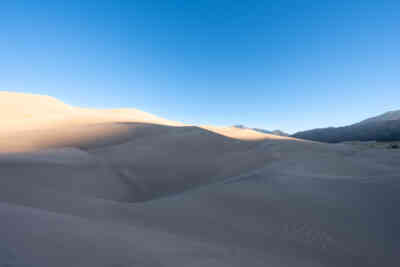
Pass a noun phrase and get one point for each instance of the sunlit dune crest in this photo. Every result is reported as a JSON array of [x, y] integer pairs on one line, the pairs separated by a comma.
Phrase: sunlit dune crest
[[20, 108], [243, 134], [41, 122]]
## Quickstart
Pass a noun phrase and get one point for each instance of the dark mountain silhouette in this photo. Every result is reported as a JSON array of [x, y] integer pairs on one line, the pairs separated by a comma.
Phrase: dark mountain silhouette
[[388, 116], [385, 127]]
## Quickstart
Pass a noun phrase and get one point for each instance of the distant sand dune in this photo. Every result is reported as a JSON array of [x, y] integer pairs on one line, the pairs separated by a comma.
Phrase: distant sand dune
[[33, 122]]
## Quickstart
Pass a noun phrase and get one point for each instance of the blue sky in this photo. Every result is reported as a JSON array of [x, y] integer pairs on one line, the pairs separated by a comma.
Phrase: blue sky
[[289, 65]]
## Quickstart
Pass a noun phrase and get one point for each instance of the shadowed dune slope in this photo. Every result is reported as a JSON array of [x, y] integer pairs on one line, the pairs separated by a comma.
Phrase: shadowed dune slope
[[134, 154]]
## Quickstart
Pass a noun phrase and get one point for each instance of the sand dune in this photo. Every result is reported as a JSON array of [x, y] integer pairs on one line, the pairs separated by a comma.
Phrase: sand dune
[[83, 187], [34, 122]]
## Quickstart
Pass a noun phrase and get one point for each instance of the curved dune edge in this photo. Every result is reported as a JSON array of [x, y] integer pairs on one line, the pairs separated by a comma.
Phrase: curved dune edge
[[131, 155]]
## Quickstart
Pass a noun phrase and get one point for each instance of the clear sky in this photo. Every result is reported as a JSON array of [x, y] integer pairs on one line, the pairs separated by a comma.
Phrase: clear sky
[[289, 65]]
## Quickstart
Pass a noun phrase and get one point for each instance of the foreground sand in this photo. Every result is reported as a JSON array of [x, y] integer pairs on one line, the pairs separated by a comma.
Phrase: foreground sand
[[82, 187]]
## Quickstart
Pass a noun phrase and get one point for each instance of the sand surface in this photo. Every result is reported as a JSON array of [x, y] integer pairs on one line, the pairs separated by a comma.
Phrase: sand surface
[[86, 187]]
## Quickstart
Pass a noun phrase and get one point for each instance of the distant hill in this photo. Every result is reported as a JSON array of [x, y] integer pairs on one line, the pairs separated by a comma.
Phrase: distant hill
[[385, 127], [388, 116], [274, 132]]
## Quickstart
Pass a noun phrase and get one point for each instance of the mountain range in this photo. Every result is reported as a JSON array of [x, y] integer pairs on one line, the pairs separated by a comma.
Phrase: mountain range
[[385, 127]]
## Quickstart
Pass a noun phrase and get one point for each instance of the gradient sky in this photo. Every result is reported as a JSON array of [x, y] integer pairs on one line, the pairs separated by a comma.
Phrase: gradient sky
[[289, 65]]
